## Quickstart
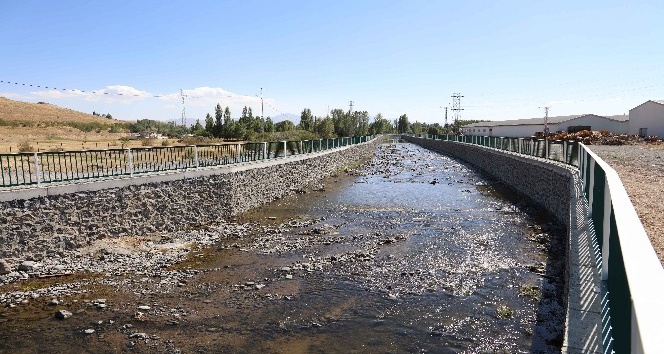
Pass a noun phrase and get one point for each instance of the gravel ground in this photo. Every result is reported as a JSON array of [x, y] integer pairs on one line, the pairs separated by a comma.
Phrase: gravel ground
[[641, 169]]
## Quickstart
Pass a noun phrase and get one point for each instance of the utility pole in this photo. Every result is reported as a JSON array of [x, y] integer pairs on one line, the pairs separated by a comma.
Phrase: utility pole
[[184, 115], [456, 107], [351, 108], [445, 126], [262, 118], [546, 132]]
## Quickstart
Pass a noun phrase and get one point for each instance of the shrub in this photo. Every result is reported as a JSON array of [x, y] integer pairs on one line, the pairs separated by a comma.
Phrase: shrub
[[25, 147], [148, 142]]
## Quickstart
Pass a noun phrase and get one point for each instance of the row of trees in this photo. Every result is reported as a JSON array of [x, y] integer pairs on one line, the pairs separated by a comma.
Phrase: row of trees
[[249, 126], [339, 122]]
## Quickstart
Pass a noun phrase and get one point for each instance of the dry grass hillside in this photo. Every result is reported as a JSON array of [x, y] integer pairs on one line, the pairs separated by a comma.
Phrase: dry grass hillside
[[25, 112], [43, 126]]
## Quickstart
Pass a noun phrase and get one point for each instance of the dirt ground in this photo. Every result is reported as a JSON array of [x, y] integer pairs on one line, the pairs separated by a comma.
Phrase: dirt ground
[[641, 169], [54, 138]]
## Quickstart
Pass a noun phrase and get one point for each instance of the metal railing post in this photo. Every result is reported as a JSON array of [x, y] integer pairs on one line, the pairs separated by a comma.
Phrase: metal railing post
[[606, 229], [37, 169], [196, 156], [130, 159]]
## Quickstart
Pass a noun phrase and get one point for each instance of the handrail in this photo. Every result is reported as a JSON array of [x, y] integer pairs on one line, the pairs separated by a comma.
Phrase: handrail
[[36, 168], [630, 267], [632, 276], [557, 150]]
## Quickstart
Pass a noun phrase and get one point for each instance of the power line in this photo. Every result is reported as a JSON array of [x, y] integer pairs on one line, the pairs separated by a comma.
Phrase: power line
[[100, 92]]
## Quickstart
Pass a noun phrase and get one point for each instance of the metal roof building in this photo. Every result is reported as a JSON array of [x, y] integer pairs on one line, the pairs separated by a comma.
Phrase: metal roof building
[[525, 128], [647, 119]]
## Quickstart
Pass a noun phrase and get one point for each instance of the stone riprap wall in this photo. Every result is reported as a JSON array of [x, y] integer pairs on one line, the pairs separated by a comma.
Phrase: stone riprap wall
[[547, 184], [42, 226]]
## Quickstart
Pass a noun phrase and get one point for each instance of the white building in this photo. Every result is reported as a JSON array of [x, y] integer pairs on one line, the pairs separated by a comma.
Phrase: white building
[[525, 128], [647, 119]]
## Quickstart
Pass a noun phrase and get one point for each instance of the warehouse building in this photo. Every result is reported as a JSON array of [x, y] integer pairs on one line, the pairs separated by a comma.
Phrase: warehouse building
[[647, 119], [525, 128]]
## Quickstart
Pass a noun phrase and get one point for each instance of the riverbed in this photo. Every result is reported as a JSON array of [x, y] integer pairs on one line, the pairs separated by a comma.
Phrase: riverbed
[[410, 252]]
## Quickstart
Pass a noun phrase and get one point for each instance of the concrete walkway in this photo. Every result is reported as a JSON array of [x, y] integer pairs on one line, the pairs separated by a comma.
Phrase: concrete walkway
[[584, 302]]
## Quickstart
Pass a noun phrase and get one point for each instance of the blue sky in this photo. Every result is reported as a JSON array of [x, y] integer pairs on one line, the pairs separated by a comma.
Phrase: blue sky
[[508, 58]]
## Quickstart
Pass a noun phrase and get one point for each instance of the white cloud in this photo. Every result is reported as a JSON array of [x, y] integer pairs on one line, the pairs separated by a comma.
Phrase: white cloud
[[15, 96], [113, 94], [206, 98], [198, 101]]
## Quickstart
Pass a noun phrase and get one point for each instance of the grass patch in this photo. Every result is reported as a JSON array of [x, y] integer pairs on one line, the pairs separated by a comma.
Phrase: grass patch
[[504, 312], [532, 291]]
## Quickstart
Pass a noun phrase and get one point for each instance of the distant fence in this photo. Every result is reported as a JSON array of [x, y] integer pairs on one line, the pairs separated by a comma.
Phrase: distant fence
[[632, 276], [35, 168], [557, 150]]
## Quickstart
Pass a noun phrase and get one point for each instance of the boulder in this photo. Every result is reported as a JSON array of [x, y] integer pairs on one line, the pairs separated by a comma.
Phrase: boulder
[[28, 266], [4, 267], [63, 314]]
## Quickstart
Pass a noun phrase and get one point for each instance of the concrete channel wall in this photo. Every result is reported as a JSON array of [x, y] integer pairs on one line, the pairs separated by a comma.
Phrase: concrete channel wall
[[41, 221]]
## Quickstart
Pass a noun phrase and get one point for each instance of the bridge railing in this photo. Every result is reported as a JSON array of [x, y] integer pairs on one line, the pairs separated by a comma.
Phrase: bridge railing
[[20, 169], [632, 276]]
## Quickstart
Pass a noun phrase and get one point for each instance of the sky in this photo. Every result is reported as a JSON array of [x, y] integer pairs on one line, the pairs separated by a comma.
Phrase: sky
[[508, 59]]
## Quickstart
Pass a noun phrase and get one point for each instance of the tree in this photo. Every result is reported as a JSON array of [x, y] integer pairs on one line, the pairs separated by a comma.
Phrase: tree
[[247, 118], [435, 129], [380, 125], [339, 119], [269, 125], [360, 123], [228, 124], [325, 128], [284, 126], [417, 128], [402, 124], [306, 120], [198, 129], [209, 124], [218, 122]]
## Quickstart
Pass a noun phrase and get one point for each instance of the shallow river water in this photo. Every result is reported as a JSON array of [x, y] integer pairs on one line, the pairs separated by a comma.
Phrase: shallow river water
[[412, 252]]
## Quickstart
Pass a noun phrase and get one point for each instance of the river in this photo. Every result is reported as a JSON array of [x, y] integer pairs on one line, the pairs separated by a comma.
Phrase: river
[[412, 252]]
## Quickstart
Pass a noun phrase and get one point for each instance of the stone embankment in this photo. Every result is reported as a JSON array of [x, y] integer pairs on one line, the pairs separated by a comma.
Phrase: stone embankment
[[46, 226]]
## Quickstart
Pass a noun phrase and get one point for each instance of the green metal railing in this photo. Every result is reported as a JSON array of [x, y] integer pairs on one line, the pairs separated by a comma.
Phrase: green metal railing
[[558, 150], [630, 270], [35, 168], [632, 276]]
